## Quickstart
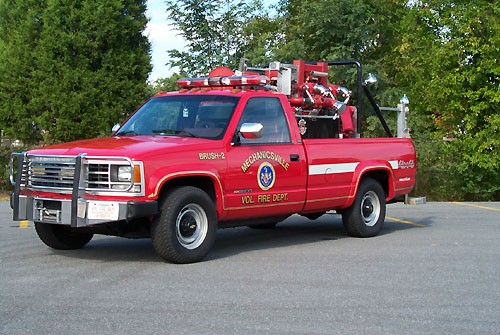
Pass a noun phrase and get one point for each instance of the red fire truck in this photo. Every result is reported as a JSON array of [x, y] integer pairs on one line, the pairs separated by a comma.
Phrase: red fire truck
[[250, 147]]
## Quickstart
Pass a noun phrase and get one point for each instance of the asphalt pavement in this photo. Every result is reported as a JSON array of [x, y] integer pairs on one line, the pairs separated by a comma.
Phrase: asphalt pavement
[[434, 269]]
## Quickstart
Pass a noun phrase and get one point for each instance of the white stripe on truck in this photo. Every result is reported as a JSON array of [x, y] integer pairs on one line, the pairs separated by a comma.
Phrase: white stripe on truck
[[340, 168], [332, 168]]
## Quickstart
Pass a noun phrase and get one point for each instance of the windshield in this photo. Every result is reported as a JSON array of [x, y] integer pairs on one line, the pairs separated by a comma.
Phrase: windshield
[[204, 116]]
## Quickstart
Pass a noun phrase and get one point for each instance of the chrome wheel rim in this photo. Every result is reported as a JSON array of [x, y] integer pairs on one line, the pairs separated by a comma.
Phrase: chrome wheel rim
[[370, 208], [191, 226]]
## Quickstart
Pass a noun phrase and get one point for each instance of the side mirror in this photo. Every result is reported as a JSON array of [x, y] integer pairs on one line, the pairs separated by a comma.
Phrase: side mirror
[[115, 128], [371, 79], [252, 130]]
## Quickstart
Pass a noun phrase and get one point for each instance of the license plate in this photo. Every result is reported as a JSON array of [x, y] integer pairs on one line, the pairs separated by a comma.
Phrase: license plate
[[98, 210]]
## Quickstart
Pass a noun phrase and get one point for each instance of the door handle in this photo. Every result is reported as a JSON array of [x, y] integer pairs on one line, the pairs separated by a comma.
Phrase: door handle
[[294, 157]]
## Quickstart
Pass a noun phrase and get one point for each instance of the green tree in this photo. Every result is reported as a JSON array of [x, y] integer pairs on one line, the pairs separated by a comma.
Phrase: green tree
[[263, 34], [322, 30], [214, 32], [449, 65], [88, 65], [346, 29], [20, 28], [167, 84]]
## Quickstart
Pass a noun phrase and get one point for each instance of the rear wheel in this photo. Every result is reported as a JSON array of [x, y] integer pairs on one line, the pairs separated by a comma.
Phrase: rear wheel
[[366, 215], [185, 229], [61, 237]]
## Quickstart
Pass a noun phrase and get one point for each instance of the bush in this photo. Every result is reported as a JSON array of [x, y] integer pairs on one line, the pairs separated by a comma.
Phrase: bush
[[434, 179], [444, 175], [5, 153]]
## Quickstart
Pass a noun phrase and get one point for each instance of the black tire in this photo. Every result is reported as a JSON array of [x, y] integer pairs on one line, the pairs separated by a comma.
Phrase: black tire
[[61, 237], [366, 215], [185, 229]]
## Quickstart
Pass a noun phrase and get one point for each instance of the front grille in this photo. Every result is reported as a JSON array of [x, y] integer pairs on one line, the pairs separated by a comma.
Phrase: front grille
[[57, 173], [98, 176], [51, 173]]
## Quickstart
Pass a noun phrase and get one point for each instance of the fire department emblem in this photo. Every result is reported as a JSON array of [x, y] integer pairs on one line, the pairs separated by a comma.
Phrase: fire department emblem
[[266, 176]]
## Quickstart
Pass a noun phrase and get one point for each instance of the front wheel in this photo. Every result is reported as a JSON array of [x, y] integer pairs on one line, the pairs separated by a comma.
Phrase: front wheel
[[185, 229], [366, 215], [61, 237]]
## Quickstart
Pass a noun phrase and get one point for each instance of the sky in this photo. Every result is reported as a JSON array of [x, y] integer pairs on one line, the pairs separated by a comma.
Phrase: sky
[[163, 38]]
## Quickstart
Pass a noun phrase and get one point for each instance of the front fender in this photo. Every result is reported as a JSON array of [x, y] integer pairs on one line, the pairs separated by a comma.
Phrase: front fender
[[162, 176]]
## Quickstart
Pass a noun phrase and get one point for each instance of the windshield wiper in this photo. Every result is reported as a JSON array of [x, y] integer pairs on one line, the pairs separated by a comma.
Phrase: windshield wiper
[[173, 132], [125, 133]]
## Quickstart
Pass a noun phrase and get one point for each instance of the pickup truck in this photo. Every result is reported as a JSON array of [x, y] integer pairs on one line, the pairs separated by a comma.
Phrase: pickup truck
[[223, 151]]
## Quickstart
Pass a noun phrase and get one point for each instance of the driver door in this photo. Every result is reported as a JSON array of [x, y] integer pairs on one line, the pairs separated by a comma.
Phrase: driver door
[[267, 175]]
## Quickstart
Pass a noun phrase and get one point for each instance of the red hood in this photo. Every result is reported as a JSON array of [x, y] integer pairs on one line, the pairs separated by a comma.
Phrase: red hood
[[134, 147]]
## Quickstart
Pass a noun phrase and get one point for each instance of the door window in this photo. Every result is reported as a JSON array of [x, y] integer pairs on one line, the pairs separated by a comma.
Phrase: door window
[[268, 112]]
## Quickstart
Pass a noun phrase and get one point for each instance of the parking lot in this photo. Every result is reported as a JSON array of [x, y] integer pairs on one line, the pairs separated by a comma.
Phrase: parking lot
[[434, 269]]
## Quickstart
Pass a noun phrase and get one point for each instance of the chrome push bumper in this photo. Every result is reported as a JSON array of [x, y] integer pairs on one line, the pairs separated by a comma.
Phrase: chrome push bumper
[[88, 212]]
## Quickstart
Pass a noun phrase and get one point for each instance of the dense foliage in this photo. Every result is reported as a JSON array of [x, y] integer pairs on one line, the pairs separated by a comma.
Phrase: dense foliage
[[448, 62], [214, 32], [70, 69]]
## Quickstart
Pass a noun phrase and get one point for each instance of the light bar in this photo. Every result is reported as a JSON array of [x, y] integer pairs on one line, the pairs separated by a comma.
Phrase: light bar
[[192, 82], [245, 80]]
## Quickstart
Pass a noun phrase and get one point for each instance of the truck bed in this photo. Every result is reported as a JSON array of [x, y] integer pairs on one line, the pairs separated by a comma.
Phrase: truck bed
[[335, 167]]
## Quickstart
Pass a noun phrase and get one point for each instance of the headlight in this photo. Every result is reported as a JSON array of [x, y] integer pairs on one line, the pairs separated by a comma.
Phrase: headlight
[[114, 174], [124, 173]]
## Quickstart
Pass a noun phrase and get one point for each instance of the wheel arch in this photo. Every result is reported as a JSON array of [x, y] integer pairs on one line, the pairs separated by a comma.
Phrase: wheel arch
[[204, 183], [208, 182], [381, 173], [382, 176]]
